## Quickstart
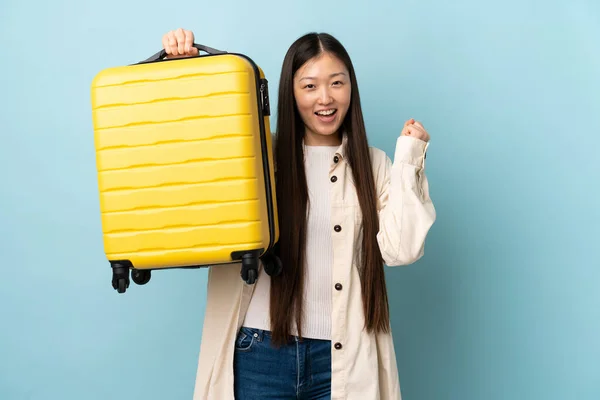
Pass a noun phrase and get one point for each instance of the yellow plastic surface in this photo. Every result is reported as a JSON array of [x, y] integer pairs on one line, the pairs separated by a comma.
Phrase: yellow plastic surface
[[179, 159]]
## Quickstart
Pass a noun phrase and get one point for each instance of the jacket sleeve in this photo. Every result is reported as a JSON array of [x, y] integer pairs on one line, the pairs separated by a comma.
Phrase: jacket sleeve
[[406, 212]]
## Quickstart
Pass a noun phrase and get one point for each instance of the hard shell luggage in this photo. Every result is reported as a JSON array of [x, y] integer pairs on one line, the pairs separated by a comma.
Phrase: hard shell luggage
[[185, 165]]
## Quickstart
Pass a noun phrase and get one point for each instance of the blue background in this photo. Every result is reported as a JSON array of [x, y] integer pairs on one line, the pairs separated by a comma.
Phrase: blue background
[[505, 304]]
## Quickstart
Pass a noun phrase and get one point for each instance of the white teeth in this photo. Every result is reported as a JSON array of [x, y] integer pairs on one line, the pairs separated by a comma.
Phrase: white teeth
[[326, 112]]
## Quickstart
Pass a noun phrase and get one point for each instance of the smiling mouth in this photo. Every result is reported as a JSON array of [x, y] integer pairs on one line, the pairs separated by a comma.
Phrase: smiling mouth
[[326, 113]]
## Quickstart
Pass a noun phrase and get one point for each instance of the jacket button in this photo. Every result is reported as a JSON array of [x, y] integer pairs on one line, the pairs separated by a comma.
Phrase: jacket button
[[334, 178], [338, 346], [337, 228], [336, 159], [338, 286]]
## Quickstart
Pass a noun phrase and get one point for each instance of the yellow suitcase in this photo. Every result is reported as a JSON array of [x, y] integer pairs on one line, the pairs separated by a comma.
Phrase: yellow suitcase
[[185, 165]]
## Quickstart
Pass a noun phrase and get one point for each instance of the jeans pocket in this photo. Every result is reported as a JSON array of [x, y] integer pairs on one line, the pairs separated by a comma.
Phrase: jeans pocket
[[244, 340]]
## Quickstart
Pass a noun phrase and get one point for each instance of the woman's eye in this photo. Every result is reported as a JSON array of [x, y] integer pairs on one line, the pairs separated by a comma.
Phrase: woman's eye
[[309, 86]]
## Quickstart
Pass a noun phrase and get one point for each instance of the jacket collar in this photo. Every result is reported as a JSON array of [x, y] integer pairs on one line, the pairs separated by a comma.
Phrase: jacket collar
[[341, 151]]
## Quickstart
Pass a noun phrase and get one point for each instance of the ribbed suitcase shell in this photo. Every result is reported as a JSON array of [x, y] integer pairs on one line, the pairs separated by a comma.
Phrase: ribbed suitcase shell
[[184, 160]]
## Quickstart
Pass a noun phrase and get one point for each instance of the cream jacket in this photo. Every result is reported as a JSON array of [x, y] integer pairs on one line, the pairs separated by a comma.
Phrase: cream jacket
[[365, 366]]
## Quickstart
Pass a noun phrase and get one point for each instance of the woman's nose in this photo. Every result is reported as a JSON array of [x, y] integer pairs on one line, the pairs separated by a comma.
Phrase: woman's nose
[[325, 96]]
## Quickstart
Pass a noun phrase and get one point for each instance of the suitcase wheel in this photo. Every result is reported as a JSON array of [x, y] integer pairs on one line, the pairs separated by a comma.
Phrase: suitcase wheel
[[122, 285], [120, 278], [272, 264], [141, 276], [251, 277], [249, 270]]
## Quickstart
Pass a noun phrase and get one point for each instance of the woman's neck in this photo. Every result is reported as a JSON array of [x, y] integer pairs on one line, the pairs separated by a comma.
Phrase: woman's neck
[[313, 139]]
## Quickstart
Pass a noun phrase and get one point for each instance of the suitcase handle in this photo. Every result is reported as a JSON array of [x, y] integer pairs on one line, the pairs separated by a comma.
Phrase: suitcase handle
[[162, 54]]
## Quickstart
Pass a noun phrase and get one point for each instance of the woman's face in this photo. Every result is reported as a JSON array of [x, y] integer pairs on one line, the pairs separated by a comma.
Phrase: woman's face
[[322, 90]]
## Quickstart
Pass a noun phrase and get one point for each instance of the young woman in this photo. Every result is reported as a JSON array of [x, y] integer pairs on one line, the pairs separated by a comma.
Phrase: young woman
[[321, 329]]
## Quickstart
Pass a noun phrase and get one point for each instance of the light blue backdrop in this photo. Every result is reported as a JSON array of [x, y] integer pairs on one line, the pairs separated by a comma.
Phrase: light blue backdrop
[[505, 304]]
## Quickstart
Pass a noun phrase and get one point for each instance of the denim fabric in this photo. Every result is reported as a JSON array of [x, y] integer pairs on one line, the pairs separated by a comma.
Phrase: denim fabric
[[298, 370]]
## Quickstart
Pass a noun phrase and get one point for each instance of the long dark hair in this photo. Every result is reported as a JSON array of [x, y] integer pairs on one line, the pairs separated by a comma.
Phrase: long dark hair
[[292, 197]]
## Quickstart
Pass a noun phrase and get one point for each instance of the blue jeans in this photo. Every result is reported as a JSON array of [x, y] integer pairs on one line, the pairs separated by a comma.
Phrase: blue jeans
[[298, 370]]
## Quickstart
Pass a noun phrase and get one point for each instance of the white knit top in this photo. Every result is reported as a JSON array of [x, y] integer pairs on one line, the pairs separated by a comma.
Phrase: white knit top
[[318, 259]]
